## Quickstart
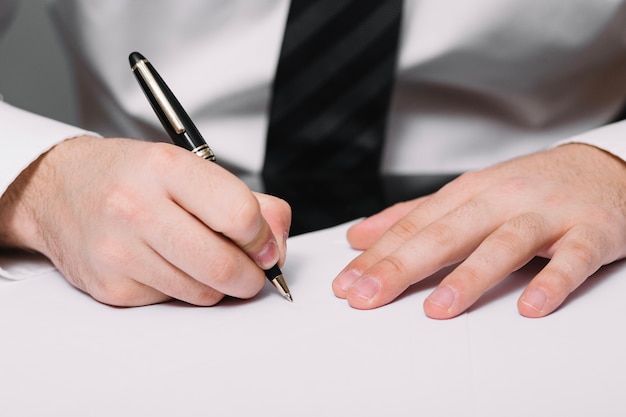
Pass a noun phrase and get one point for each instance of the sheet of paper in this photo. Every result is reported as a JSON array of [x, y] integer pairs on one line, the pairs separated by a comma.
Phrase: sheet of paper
[[571, 363], [64, 354]]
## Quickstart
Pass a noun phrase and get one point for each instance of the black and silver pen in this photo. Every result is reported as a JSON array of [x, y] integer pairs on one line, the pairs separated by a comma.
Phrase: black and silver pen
[[183, 131]]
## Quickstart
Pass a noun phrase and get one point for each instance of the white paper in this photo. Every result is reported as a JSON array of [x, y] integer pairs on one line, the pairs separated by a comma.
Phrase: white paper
[[64, 354]]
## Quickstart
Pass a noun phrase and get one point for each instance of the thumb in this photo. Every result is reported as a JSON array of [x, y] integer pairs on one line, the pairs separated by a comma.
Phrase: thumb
[[277, 214]]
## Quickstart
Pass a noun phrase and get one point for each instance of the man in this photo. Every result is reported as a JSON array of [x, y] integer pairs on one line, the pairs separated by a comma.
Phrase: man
[[476, 84]]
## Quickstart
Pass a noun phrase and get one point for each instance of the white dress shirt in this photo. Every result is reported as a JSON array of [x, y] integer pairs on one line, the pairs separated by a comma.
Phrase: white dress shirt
[[478, 81]]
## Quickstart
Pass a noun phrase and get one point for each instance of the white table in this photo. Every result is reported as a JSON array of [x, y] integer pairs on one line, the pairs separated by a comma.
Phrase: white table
[[63, 354]]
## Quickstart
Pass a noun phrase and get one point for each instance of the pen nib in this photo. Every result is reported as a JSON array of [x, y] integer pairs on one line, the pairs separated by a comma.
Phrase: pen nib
[[281, 286]]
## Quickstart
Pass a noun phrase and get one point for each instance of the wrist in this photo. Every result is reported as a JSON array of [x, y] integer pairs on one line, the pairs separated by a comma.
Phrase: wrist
[[28, 196]]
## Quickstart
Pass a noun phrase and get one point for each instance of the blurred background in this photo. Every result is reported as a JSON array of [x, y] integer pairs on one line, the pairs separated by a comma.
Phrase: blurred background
[[32, 43]]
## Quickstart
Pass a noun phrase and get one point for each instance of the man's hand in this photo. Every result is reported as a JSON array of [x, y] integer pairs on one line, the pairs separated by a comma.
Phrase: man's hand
[[567, 204], [134, 223]]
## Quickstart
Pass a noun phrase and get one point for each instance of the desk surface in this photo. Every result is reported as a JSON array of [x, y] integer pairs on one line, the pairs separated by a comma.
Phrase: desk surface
[[62, 354]]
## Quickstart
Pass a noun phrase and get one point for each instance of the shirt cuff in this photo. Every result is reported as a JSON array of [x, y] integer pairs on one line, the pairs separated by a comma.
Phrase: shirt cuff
[[25, 137], [610, 138], [17, 266]]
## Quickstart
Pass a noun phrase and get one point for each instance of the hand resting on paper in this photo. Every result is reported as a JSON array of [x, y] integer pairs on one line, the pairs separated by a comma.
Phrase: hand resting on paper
[[134, 223], [567, 204]]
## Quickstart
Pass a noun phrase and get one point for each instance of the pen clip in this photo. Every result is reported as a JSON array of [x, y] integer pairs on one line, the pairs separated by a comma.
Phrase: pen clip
[[159, 96]]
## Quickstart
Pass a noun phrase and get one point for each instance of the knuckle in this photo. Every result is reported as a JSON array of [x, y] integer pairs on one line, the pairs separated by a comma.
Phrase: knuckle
[[118, 203], [246, 215], [394, 265], [404, 229], [162, 157], [513, 237], [223, 270], [439, 233], [115, 294], [206, 297], [508, 239], [601, 232], [585, 253], [558, 280], [470, 277]]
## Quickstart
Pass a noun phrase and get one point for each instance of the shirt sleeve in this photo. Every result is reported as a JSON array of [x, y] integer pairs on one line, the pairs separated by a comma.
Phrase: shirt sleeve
[[610, 138], [25, 136]]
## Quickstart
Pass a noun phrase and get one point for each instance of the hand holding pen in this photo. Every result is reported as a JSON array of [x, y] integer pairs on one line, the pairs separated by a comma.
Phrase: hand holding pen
[[183, 132], [134, 223]]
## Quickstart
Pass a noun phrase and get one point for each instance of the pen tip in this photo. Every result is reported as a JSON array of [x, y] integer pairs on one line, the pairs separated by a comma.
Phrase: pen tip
[[281, 285]]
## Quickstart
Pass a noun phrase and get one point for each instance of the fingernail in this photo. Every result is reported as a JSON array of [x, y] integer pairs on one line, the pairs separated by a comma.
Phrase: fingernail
[[347, 279], [535, 299], [365, 288], [268, 256], [442, 297]]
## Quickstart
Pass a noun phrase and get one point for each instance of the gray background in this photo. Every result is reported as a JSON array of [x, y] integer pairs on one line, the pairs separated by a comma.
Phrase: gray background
[[33, 71]]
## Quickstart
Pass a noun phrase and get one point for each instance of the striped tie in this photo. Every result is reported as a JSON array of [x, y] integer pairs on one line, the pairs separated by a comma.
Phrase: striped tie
[[333, 87]]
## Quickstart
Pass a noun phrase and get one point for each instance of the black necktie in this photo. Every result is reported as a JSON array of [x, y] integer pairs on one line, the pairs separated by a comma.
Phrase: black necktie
[[332, 88]]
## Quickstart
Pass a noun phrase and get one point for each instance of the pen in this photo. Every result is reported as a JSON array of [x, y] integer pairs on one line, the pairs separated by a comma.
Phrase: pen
[[183, 131]]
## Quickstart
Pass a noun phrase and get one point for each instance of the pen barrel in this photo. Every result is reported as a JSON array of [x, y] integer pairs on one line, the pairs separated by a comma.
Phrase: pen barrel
[[195, 144], [171, 113]]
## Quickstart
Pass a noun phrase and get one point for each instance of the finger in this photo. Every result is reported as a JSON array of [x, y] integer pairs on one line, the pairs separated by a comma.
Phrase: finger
[[130, 293], [505, 250], [375, 278], [149, 279], [277, 214], [200, 253], [365, 233], [110, 286], [421, 212], [176, 284], [218, 199], [582, 251]]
